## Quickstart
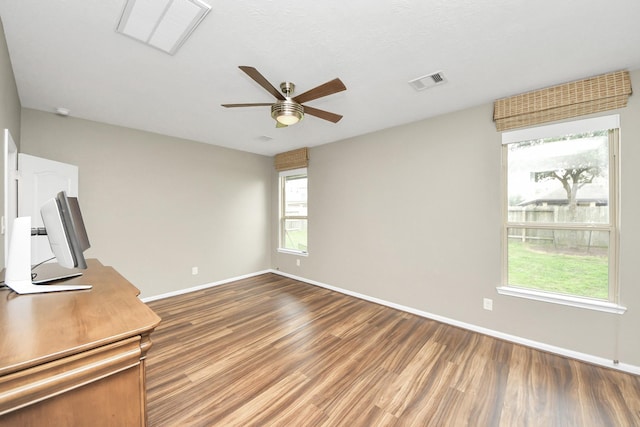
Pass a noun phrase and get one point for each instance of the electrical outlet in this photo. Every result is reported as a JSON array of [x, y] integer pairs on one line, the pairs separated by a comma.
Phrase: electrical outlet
[[194, 270], [298, 262], [487, 304]]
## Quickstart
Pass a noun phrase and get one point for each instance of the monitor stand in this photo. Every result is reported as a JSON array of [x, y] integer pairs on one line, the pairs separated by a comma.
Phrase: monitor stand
[[52, 272], [32, 288], [18, 272]]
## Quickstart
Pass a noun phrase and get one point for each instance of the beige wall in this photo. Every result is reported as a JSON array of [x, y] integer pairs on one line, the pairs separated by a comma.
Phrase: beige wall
[[9, 111], [156, 206], [412, 215], [9, 100]]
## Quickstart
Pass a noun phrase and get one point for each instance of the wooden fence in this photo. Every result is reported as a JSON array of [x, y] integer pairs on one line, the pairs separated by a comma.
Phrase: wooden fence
[[560, 238]]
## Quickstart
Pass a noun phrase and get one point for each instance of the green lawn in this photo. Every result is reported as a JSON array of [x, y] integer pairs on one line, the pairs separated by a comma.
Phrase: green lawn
[[582, 275], [296, 239]]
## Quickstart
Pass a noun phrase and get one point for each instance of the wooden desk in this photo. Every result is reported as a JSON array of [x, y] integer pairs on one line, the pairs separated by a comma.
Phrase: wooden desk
[[75, 358]]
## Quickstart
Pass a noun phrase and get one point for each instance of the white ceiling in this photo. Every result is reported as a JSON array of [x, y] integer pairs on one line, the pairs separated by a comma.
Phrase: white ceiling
[[66, 53]]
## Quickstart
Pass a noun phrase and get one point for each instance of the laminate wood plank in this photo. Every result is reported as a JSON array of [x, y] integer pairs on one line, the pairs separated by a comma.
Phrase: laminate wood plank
[[273, 351]]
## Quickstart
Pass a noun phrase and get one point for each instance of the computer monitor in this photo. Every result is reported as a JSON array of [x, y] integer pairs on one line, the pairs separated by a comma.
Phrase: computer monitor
[[66, 231], [68, 239]]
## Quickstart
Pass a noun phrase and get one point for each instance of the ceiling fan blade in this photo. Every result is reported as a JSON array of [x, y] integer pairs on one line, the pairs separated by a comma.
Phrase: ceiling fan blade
[[326, 115], [261, 104], [329, 88], [259, 78]]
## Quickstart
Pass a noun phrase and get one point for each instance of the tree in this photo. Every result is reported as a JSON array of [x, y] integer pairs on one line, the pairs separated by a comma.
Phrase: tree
[[572, 180], [576, 170]]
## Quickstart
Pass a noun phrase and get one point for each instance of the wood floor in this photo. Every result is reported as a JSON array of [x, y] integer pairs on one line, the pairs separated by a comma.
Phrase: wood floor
[[272, 351]]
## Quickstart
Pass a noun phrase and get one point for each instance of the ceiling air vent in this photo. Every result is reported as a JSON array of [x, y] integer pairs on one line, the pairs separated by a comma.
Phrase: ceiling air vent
[[163, 24], [428, 81]]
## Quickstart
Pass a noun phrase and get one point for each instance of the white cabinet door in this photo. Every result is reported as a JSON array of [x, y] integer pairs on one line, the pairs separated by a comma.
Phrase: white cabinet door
[[40, 180]]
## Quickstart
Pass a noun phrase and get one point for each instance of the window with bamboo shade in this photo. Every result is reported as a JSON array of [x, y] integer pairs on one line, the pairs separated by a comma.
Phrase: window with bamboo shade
[[568, 100], [293, 159]]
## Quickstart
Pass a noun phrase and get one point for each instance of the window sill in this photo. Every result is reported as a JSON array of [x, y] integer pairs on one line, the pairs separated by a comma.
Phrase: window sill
[[588, 303], [293, 252]]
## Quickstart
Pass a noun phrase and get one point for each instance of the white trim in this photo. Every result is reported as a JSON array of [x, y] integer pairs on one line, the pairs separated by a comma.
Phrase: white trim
[[600, 361], [293, 252], [293, 172], [571, 301], [566, 128], [200, 287]]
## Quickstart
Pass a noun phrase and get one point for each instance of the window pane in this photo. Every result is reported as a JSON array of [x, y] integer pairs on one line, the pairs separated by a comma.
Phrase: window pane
[[295, 195], [574, 262], [294, 235], [293, 224], [559, 180]]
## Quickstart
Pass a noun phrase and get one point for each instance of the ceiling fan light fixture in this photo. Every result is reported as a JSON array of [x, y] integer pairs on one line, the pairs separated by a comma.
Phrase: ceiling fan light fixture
[[287, 112]]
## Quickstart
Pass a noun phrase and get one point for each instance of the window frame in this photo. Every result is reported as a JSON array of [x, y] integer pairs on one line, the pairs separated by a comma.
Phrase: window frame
[[611, 305], [282, 217]]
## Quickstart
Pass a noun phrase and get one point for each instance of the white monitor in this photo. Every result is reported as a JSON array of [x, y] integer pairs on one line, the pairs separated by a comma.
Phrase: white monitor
[[68, 239], [65, 229]]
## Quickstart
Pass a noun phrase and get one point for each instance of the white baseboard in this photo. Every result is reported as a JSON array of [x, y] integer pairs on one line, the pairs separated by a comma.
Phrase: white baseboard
[[600, 361], [200, 287]]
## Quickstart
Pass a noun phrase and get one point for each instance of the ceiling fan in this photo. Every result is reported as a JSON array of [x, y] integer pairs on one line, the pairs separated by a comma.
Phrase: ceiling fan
[[288, 110]]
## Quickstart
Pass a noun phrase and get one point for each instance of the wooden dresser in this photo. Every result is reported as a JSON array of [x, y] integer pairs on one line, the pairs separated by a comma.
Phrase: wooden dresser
[[75, 358]]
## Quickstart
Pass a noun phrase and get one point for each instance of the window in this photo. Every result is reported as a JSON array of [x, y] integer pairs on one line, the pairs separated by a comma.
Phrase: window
[[293, 210], [560, 207]]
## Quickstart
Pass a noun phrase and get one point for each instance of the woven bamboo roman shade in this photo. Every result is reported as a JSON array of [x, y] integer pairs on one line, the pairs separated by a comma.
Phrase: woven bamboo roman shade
[[293, 159], [592, 95]]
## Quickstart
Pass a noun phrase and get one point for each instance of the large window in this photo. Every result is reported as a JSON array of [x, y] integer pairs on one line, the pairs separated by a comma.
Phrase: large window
[[293, 210], [560, 236]]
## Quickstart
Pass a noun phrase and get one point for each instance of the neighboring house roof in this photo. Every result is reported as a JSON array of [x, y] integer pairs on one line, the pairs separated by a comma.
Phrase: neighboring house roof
[[589, 193]]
